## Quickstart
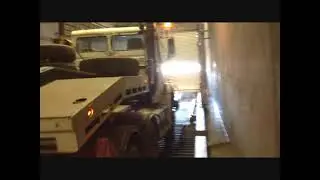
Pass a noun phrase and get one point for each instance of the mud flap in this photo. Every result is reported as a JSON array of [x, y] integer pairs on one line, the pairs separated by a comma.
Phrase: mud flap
[[105, 148]]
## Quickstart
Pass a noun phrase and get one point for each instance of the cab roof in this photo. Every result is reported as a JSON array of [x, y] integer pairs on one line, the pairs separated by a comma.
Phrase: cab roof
[[104, 31]]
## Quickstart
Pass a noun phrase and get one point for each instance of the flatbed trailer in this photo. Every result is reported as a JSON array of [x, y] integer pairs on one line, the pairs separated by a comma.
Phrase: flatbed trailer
[[104, 109]]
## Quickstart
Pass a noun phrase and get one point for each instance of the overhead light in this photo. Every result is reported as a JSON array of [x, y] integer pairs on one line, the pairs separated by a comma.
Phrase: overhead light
[[167, 25]]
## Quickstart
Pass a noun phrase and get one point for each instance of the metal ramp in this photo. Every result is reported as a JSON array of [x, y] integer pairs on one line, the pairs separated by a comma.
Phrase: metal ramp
[[182, 145], [186, 141]]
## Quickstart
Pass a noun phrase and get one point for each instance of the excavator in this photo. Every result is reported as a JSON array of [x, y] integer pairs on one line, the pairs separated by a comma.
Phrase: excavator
[[112, 103]]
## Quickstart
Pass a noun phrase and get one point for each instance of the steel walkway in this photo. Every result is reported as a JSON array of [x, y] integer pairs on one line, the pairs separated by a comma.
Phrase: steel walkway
[[187, 140]]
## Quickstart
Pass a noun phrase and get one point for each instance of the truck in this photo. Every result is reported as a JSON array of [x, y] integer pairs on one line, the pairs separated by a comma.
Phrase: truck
[[116, 103]]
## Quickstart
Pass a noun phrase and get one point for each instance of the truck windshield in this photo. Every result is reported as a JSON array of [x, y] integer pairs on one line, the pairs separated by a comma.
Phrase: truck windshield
[[92, 44], [127, 42]]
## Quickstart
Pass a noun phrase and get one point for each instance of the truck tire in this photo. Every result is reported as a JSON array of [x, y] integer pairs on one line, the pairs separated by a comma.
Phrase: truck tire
[[57, 53], [111, 67]]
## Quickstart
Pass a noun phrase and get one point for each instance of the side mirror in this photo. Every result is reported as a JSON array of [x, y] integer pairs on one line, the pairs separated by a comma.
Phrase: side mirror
[[171, 48]]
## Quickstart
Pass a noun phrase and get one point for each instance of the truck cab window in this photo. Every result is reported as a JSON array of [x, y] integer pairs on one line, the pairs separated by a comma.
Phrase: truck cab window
[[92, 44], [127, 42]]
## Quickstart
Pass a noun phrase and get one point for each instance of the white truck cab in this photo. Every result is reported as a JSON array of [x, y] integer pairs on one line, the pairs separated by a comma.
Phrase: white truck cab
[[122, 42], [113, 42]]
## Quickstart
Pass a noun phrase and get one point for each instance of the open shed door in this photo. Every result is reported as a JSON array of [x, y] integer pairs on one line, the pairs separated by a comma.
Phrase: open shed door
[[185, 66]]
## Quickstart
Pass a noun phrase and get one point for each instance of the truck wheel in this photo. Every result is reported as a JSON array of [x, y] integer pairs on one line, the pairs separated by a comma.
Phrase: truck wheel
[[57, 53]]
